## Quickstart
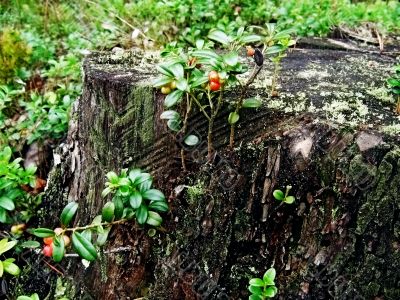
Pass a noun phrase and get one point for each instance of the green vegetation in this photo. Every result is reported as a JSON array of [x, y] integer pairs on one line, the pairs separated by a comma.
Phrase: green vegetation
[[41, 49]]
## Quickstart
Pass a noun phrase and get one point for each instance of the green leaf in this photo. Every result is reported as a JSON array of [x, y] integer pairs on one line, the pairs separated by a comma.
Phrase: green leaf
[[106, 191], [256, 290], [164, 70], [159, 82], [154, 219], [142, 214], [269, 276], [393, 82], [199, 44], [83, 247], [199, 81], [251, 38], [119, 207], [87, 233], [107, 213], [161, 206], [43, 232], [251, 103], [231, 59], [30, 244], [289, 199], [68, 213], [278, 195], [7, 203], [102, 237], [177, 70], [11, 268], [273, 50], [134, 175], [173, 98], [233, 117], [220, 37], [174, 125], [210, 54], [3, 215], [270, 291], [128, 213], [182, 84], [170, 115], [191, 140], [112, 177], [1, 269], [255, 297], [5, 245], [154, 195], [58, 248], [256, 282], [24, 298], [135, 199]]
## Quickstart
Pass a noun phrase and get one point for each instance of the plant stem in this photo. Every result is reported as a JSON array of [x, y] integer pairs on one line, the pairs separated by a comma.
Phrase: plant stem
[[94, 225], [214, 113], [184, 128], [201, 107], [239, 104], [275, 76], [398, 105]]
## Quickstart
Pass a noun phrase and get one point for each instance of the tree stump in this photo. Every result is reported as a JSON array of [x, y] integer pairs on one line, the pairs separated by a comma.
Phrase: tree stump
[[331, 134]]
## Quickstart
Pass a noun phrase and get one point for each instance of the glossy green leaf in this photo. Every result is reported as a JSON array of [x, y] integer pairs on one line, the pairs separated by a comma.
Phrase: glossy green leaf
[[119, 207], [83, 247], [251, 103], [135, 175], [278, 195], [233, 117], [256, 282], [173, 98], [164, 70], [3, 215], [177, 70], [5, 245], [154, 195], [210, 54], [1, 269], [251, 38], [128, 214], [199, 81], [112, 177], [255, 290], [6, 203], [255, 297], [43, 232], [142, 214], [159, 82], [170, 115], [30, 244], [87, 233], [135, 199], [161, 206], [68, 213], [58, 248], [199, 44], [102, 237], [270, 291], [182, 84], [220, 37], [191, 140], [11, 268], [174, 125], [269, 276], [231, 59], [107, 212], [289, 199], [106, 191], [154, 219]]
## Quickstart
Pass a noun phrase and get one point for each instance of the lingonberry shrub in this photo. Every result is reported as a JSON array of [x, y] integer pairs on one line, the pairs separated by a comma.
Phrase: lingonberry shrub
[[263, 288], [133, 199]]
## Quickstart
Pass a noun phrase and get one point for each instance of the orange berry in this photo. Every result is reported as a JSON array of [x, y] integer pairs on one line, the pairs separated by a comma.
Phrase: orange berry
[[48, 240], [250, 51]]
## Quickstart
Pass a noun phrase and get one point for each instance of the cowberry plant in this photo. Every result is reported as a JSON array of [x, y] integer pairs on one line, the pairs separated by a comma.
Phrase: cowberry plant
[[394, 84], [7, 265], [13, 178], [133, 198], [284, 197], [31, 297], [264, 288], [199, 75]]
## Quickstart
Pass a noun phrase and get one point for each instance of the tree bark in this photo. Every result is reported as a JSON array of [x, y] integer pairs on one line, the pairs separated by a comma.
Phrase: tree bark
[[339, 240]]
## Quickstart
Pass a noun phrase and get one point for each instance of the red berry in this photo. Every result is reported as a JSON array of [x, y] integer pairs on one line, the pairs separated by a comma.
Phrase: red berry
[[48, 250], [250, 51], [214, 86], [48, 240], [213, 76]]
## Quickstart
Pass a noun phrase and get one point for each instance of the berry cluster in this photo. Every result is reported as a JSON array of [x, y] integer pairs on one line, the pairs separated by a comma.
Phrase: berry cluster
[[168, 88], [214, 81], [48, 242]]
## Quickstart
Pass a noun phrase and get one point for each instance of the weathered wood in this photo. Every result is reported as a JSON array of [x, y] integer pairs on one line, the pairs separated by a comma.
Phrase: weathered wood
[[323, 135]]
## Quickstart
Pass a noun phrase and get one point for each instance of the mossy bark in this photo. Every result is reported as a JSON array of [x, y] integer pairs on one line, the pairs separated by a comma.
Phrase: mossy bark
[[339, 240]]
